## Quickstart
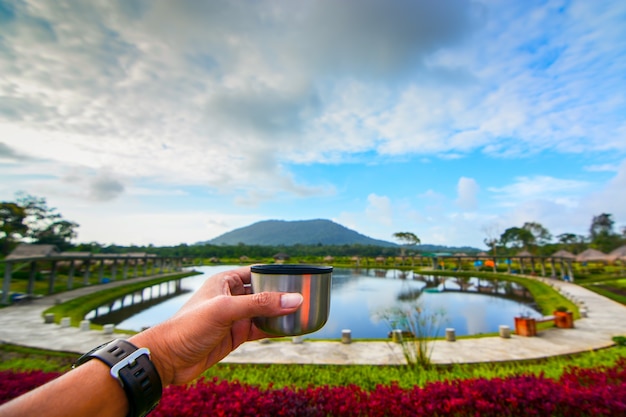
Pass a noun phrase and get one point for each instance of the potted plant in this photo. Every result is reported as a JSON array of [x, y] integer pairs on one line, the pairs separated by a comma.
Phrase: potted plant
[[563, 318], [525, 326]]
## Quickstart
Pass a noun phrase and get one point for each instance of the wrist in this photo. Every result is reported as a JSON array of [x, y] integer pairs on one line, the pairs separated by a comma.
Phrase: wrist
[[157, 354], [131, 367]]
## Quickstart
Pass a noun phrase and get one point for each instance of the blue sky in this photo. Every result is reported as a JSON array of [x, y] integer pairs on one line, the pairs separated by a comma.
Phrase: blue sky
[[174, 122]]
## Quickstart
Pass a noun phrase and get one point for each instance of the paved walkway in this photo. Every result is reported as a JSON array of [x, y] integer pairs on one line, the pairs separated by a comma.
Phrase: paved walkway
[[24, 325]]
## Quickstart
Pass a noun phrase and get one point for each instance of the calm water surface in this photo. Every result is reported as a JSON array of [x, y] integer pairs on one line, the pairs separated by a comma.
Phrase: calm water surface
[[358, 297]]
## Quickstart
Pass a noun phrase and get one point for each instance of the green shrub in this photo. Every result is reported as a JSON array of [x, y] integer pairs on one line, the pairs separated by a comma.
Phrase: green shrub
[[620, 340]]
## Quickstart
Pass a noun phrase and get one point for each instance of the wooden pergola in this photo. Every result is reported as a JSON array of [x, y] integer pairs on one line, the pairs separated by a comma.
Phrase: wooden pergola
[[119, 264], [525, 259]]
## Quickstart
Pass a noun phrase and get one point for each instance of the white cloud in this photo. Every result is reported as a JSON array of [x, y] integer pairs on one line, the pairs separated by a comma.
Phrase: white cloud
[[208, 88], [537, 187], [611, 198], [125, 224], [602, 168], [562, 206], [467, 190], [99, 186], [379, 209], [123, 100], [147, 191], [8, 155]]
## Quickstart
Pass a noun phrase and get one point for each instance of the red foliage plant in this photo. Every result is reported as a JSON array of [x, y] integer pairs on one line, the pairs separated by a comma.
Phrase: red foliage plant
[[579, 392]]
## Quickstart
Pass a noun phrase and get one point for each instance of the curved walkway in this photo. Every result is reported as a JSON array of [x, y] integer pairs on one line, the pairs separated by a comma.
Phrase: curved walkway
[[24, 325]]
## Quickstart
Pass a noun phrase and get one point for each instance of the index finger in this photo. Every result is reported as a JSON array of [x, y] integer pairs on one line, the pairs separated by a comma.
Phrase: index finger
[[231, 282], [236, 281]]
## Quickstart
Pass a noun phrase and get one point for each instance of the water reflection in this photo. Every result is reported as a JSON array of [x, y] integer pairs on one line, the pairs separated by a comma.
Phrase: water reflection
[[125, 307], [471, 305]]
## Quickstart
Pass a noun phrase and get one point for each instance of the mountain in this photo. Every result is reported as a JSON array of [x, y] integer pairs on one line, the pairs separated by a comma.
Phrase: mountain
[[289, 233]]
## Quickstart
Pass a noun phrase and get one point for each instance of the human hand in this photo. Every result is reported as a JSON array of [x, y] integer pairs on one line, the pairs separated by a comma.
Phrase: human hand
[[214, 322]]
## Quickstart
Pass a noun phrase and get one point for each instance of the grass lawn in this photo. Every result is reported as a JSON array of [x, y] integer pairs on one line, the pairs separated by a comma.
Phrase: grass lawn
[[18, 358], [77, 308], [614, 289], [547, 298]]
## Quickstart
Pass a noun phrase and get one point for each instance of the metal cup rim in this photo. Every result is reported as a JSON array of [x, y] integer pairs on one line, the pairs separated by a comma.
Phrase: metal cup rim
[[291, 269]]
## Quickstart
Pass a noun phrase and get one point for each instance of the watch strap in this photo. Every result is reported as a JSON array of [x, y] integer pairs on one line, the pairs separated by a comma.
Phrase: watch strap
[[135, 372], [112, 352]]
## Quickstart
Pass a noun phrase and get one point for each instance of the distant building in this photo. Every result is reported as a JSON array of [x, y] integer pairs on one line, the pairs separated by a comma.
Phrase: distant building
[[281, 257]]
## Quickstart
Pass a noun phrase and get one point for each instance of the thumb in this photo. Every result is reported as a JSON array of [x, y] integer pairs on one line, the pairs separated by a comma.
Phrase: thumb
[[263, 304]]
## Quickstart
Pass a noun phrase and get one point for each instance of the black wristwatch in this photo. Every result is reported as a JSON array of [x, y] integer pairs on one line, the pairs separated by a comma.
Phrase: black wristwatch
[[135, 372]]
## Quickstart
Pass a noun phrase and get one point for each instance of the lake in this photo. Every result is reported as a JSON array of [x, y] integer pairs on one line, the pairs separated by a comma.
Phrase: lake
[[359, 297]]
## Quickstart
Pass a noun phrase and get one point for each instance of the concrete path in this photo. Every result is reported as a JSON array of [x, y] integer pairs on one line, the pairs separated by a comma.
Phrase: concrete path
[[24, 325]]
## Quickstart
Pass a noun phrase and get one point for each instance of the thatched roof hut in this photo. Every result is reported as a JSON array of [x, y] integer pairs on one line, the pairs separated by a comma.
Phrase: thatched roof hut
[[27, 250], [524, 254], [618, 254], [563, 254], [328, 258], [592, 255]]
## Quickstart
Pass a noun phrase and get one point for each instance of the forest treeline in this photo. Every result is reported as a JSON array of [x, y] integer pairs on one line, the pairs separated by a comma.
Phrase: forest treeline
[[28, 219]]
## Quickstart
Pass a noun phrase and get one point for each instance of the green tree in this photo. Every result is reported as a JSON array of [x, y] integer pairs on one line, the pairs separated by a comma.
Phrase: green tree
[[44, 224], [572, 242], [59, 233], [541, 235], [516, 237], [601, 233], [407, 239], [601, 225], [567, 238], [12, 226]]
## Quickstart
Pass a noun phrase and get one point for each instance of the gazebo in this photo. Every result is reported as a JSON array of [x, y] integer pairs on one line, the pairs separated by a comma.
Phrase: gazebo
[[563, 254], [592, 255], [281, 257], [521, 256], [618, 254]]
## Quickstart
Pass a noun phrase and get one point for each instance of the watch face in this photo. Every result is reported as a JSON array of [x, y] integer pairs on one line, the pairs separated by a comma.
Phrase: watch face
[[87, 356]]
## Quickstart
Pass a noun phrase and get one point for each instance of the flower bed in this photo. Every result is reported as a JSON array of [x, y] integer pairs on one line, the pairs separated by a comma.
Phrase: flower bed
[[579, 392]]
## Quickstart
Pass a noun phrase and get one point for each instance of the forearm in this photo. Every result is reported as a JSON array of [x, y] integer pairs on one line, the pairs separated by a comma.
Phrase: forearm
[[88, 390], [216, 320]]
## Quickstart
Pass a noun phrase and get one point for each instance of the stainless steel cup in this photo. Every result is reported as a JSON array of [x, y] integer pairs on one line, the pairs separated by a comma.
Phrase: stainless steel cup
[[312, 281]]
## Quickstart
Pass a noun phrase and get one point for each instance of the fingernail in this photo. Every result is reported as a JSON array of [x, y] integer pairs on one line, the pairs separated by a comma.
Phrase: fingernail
[[291, 300]]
